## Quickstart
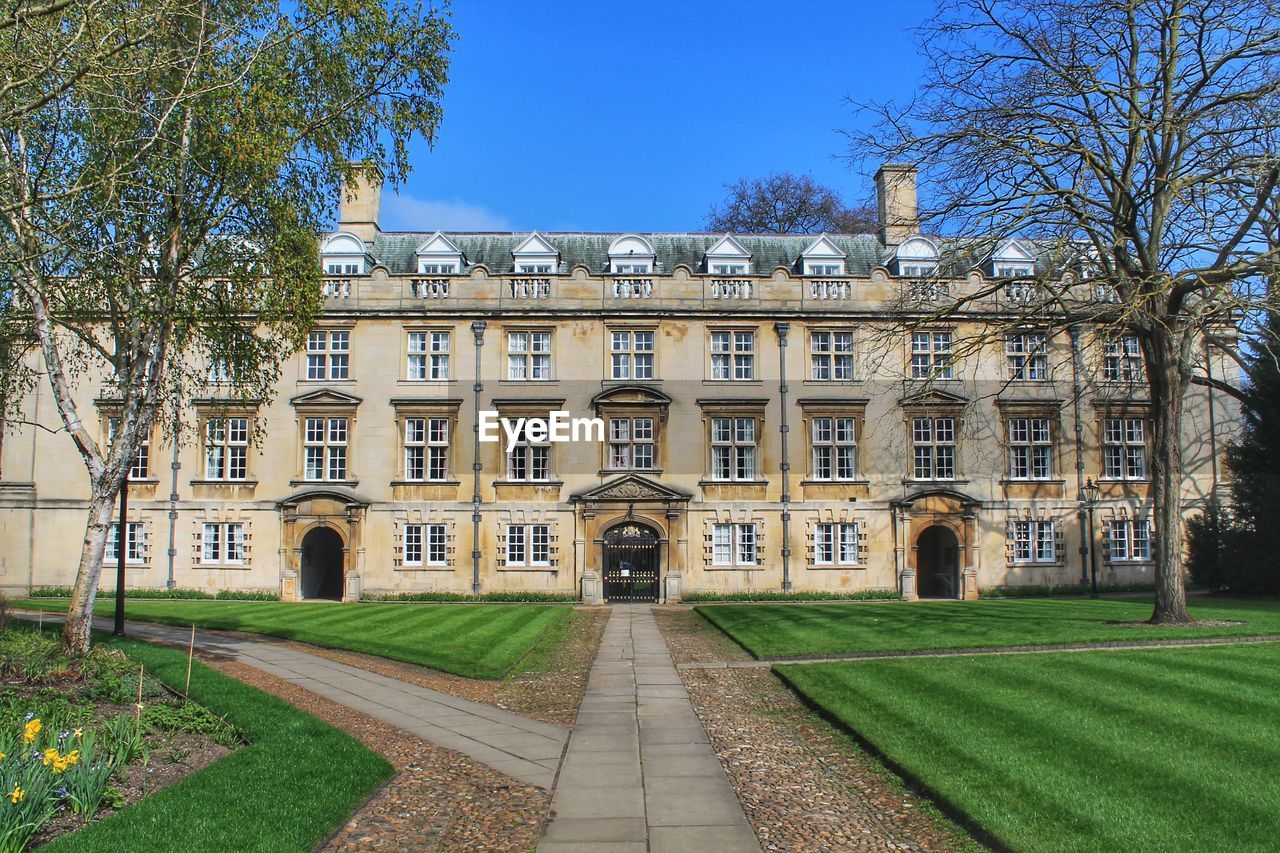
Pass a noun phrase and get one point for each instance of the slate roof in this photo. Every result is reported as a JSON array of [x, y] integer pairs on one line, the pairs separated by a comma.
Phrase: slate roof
[[396, 250]]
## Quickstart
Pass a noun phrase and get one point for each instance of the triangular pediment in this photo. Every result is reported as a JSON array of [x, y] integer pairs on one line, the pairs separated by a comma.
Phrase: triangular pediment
[[325, 397], [822, 248], [535, 244], [632, 487], [1013, 250], [728, 247], [631, 395], [934, 397], [438, 244]]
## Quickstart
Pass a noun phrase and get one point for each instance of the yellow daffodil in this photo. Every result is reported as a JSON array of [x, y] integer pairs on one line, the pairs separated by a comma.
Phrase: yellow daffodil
[[50, 755], [16, 795], [30, 731], [1, 756], [77, 732], [73, 756]]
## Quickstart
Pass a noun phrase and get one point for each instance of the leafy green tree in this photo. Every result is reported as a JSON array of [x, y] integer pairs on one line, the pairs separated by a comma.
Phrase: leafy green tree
[[158, 214]]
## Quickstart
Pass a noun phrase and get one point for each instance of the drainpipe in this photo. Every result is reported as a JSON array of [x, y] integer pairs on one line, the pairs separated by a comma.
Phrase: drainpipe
[[174, 465], [1213, 420], [1074, 331], [781, 329], [477, 329]]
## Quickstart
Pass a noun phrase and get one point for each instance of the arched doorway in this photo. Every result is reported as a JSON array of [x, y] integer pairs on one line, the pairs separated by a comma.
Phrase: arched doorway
[[322, 567], [938, 563], [630, 563]]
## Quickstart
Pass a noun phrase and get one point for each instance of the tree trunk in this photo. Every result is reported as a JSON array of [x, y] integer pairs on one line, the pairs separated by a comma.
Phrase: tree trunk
[[1168, 385], [75, 634]]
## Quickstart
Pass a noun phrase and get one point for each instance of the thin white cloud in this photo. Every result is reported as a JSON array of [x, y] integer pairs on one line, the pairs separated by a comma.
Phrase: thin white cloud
[[403, 212]]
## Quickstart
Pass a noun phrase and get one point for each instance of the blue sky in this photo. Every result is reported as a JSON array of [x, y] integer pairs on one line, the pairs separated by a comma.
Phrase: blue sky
[[612, 116]]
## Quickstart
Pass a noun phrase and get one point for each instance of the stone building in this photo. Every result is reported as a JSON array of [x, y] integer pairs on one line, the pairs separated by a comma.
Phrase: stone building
[[767, 419]]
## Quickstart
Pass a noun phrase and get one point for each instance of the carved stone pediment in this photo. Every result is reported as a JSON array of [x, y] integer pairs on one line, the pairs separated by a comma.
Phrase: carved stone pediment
[[325, 397], [631, 487]]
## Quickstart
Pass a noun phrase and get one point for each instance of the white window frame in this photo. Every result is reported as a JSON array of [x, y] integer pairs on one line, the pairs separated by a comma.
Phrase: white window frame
[[735, 444], [835, 543], [831, 355], [428, 355], [1128, 546], [1124, 448], [328, 355], [1027, 356], [1030, 448], [141, 467], [733, 355], [1034, 541], [222, 543], [426, 449], [425, 545], [833, 448], [632, 354], [932, 354], [821, 269], [136, 547], [735, 544], [533, 542], [527, 459], [1122, 359], [529, 355], [933, 448], [630, 439], [327, 441], [226, 449]]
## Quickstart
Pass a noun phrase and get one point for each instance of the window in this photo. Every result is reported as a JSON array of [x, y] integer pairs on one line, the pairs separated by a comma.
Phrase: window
[[428, 355], [1033, 542], [631, 354], [328, 355], [1128, 540], [815, 268], [1030, 449], [1122, 359], [1013, 271], [325, 442], [135, 536], [931, 355], [833, 447], [425, 545], [534, 269], [528, 544], [631, 444], [831, 355], [632, 268], [933, 444], [733, 545], [1026, 356], [340, 268], [222, 543], [728, 269], [528, 355], [219, 370], [917, 269], [529, 461], [1124, 449], [226, 448], [835, 544], [432, 268], [733, 355], [733, 448], [426, 449], [141, 468]]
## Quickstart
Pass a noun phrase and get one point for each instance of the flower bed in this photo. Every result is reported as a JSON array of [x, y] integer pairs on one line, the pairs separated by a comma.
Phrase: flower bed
[[79, 741]]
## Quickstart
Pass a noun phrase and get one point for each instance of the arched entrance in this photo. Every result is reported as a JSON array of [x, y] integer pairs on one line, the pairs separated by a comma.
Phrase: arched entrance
[[630, 563], [938, 563], [322, 567]]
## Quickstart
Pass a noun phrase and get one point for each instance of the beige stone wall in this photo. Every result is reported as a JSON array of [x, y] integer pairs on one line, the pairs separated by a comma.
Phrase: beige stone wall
[[43, 496]]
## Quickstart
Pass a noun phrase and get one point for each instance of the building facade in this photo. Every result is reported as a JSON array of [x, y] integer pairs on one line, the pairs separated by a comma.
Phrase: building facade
[[773, 411]]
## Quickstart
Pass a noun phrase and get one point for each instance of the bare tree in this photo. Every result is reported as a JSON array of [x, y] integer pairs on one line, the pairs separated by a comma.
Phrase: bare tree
[[1135, 143], [158, 217], [786, 203]]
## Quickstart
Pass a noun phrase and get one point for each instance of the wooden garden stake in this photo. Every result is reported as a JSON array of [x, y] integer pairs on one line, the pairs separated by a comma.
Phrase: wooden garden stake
[[191, 647], [138, 707]]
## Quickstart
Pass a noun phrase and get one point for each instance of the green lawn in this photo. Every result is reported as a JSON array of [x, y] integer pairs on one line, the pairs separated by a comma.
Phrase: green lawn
[[473, 640], [1168, 749], [798, 630], [296, 782]]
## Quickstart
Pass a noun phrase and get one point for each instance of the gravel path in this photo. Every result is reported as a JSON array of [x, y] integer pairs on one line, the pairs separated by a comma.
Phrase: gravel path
[[802, 783]]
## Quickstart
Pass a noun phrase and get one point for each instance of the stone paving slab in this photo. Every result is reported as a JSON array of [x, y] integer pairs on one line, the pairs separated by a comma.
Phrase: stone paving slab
[[527, 750], [639, 772]]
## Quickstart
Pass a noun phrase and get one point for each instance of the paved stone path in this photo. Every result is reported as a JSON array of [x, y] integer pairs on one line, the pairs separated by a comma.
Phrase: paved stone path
[[527, 750], [640, 773], [1104, 646]]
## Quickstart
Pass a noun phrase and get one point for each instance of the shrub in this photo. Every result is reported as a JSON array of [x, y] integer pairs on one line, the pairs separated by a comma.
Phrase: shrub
[[179, 594], [777, 595], [246, 595], [514, 597], [1034, 591]]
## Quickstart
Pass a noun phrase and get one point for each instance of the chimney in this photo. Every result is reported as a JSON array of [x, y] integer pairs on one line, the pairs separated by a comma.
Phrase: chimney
[[896, 203], [361, 198]]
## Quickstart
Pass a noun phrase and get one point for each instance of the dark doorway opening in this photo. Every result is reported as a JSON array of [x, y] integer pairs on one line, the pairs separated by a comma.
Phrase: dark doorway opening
[[938, 563], [631, 563], [322, 564]]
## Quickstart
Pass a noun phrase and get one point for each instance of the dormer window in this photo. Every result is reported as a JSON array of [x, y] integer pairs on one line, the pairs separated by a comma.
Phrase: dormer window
[[1011, 260], [917, 258], [822, 258], [535, 256], [343, 254], [439, 256], [631, 255], [728, 257]]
